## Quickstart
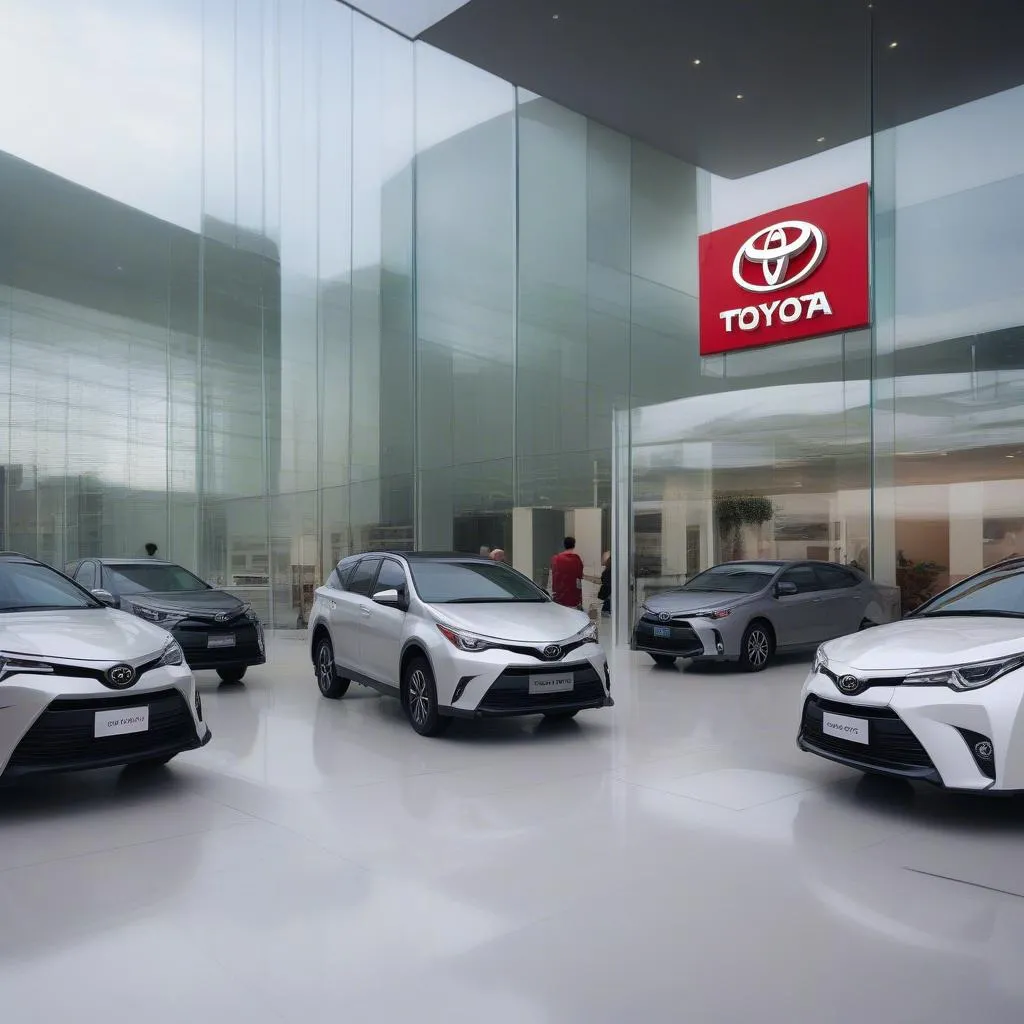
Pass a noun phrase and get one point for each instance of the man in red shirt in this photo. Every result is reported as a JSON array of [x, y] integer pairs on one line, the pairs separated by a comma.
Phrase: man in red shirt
[[567, 576]]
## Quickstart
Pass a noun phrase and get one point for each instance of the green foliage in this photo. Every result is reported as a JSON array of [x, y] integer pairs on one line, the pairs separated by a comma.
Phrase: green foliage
[[735, 510]]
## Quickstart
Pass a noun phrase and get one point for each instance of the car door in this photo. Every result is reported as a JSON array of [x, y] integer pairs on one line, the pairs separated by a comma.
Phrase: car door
[[798, 617], [349, 615], [383, 627], [841, 602]]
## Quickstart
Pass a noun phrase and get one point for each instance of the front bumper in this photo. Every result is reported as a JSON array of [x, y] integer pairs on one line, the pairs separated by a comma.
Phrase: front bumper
[[47, 723], [923, 732], [686, 639], [497, 684], [248, 648]]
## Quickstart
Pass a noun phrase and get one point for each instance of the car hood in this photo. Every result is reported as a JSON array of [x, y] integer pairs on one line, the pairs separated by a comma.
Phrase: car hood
[[678, 601], [523, 622], [206, 603], [928, 643], [89, 634]]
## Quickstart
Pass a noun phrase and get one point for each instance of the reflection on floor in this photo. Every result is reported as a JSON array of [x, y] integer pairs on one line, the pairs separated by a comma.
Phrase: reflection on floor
[[676, 859]]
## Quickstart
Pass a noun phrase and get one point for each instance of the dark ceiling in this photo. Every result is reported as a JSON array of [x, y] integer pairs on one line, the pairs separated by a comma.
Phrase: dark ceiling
[[802, 67]]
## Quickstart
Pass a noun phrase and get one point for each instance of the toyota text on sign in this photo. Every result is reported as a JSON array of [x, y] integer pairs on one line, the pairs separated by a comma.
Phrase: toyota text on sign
[[794, 273]]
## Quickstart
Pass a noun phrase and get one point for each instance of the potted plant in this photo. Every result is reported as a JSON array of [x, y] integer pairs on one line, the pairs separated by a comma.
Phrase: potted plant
[[733, 512], [916, 580]]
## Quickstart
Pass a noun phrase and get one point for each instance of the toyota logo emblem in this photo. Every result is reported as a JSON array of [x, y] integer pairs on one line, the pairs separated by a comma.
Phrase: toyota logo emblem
[[772, 251], [849, 684], [552, 651], [221, 617], [664, 616], [120, 677]]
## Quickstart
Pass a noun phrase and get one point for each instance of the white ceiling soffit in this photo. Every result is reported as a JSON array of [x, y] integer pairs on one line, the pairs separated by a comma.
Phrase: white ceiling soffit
[[410, 17]]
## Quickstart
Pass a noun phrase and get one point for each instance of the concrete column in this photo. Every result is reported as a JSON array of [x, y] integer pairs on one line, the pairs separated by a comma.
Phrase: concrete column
[[522, 540]]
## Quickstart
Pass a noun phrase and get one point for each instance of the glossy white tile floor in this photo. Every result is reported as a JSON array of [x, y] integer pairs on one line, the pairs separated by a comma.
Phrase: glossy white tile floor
[[675, 859]]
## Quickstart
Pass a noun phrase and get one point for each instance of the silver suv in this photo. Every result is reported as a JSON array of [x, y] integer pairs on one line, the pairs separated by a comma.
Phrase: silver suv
[[453, 636]]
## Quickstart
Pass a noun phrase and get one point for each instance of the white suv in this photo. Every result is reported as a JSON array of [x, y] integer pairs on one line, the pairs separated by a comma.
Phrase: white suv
[[453, 636]]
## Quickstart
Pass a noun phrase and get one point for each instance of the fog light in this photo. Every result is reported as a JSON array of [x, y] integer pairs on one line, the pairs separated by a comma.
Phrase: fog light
[[982, 751]]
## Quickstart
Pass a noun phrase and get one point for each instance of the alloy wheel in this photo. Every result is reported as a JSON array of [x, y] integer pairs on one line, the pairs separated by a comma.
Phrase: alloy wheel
[[758, 647], [325, 668], [419, 697]]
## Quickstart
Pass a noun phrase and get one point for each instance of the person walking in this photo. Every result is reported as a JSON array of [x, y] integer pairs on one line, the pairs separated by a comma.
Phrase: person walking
[[567, 576], [497, 555], [151, 550], [604, 594]]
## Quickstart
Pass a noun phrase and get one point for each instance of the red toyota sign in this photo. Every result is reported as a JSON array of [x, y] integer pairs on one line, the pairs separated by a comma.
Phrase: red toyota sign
[[794, 273]]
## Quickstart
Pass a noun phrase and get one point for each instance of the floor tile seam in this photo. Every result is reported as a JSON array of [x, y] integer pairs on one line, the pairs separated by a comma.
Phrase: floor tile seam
[[725, 807], [964, 881], [226, 826]]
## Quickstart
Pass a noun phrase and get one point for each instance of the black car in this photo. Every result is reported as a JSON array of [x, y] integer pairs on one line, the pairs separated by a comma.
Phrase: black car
[[216, 630]]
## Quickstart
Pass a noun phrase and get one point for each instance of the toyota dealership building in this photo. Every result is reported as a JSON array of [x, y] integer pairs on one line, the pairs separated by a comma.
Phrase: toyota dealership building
[[282, 280]]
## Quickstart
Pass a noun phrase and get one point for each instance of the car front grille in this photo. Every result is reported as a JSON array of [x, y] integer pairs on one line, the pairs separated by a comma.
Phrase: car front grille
[[892, 746], [63, 735], [510, 692], [682, 640], [195, 642]]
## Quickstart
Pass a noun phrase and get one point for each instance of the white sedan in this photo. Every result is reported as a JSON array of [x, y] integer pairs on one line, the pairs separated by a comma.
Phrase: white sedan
[[936, 697], [83, 685]]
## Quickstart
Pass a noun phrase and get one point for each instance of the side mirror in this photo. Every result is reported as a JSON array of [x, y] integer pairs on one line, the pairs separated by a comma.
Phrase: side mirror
[[390, 599], [106, 597], [785, 589]]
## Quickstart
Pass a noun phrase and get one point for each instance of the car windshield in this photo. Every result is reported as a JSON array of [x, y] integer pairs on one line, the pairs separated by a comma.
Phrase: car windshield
[[31, 587], [158, 578], [1000, 592], [736, 578], [472, 583]]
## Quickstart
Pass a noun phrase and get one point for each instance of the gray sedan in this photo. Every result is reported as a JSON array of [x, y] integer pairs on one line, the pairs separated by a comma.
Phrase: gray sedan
[[747, 611]]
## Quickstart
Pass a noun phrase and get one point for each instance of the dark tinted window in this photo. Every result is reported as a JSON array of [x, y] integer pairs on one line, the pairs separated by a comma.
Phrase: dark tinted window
[[150, 577], [834, 577], [803, 576], [343, 573], [86, 576], [361, 580], [29, 587], [734, 578], [472, 583], [998, 591], [391, 576]]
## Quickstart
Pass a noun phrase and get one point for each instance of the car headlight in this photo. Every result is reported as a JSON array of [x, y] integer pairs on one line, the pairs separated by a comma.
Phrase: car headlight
[[966, 677], [820, 660], [12, 664], [587, 635], [173, 654], [709, 613], [464, 641], [159, 616]]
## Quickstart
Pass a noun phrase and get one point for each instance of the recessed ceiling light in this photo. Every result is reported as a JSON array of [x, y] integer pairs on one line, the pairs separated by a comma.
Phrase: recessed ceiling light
[[821, 138], [555, 17], [893, 45], [696, 61], [1011, 456], [739, 95]]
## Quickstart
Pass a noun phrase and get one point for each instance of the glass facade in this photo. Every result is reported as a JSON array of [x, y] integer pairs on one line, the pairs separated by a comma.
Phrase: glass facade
[[286, 285]]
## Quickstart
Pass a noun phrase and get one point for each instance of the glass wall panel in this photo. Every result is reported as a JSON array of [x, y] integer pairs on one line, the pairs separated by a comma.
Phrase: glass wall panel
[[465, 293], [950, 315]]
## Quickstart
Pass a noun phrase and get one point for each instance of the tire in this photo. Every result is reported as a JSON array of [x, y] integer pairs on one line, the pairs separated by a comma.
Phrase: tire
[[561, 716], [331, 685], [419, 698], [758, 646], [866, 624], [232, 674], [664, 660]]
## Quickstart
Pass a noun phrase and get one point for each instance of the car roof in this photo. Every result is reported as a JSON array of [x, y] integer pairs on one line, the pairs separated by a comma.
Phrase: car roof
[[143, 560], [17, 556], [422, 556]]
